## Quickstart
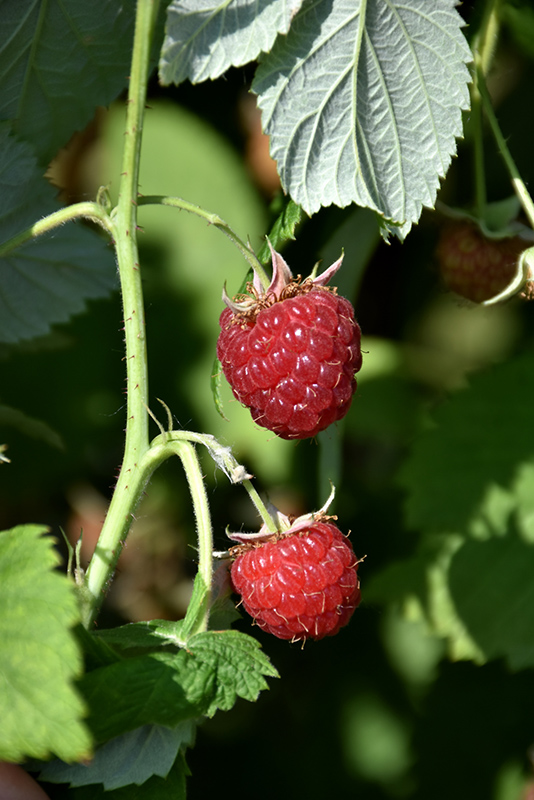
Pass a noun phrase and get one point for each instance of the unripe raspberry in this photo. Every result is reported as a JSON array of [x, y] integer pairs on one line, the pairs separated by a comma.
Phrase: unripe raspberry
[[299, 585], [474, 266], [290, 354]]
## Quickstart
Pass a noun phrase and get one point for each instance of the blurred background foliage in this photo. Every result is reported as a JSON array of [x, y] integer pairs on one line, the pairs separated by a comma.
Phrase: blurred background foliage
[[380, 711]]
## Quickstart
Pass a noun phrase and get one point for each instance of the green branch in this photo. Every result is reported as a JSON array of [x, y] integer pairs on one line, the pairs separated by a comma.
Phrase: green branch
[[211, 219], [87, 210], [134, 471]]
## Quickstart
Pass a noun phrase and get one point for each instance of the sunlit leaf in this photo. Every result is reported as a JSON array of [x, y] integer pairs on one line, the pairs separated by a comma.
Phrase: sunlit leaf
[[41, 712], [362, 101], [204, 37]]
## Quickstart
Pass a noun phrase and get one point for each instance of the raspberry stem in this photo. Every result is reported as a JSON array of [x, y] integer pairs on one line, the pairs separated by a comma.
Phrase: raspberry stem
[[86, 210], [134, 471], [211, 219]]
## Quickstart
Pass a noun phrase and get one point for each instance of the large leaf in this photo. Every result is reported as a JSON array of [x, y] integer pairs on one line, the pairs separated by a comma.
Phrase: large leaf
[[128, 759], [204, 37], [48, 279], [362, 100], [469, 471], [40, 711], [59, 59], [168, 688]]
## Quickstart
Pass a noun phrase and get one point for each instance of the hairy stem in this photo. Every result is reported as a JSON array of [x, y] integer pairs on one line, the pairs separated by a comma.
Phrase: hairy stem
[[211, 219], [134, 471], [88, 210], [186, 451]]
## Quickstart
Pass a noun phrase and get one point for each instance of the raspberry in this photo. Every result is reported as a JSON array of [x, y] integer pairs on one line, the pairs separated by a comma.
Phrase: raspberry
[[474, 266], [290, 354], [298, 585]]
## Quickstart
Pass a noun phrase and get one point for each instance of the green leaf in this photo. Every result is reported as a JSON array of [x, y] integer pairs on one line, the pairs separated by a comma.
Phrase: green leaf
[[59, 60], [151, 635], [167, 688], [237, 664], [41, 712], [493, 591], [461, 473], [283, 230], [362, 101], [132, 758], [197, 608], [156, 788], [49, 279], [203, 39], [147, 689]]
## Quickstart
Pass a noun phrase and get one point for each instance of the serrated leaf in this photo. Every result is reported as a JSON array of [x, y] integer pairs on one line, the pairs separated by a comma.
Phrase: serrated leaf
[[132, 758], [167, 688], [492, 588], [156, 788], [237, 663], [58, 61], [147, 689], [41, 712], [150, 635], [461, 472], [49, 279], [204, 38], [363, 102]]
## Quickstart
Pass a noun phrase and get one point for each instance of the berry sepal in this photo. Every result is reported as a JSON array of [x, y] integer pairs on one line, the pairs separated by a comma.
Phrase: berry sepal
[[282, 285], [285, 525]]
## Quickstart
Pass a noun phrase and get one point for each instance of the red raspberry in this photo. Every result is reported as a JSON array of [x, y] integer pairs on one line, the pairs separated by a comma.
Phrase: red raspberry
[[290, 354], [474, 266], [301, 585]]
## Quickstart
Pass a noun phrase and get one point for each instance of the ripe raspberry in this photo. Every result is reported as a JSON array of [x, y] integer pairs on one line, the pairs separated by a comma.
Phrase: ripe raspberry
[[298, 585], [290, 354], [474, 266]]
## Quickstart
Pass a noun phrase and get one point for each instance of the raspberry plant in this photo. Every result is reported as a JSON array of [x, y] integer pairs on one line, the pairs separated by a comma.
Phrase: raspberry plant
[[362, 103]]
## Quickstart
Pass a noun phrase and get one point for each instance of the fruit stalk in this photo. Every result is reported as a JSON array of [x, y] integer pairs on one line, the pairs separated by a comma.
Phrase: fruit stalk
[[131, 479], [212, 219]]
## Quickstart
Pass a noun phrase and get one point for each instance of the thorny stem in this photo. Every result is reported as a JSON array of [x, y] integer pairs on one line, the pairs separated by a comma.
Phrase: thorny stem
[[226, 461], [133, 476], [211, 219], [87, 210]]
